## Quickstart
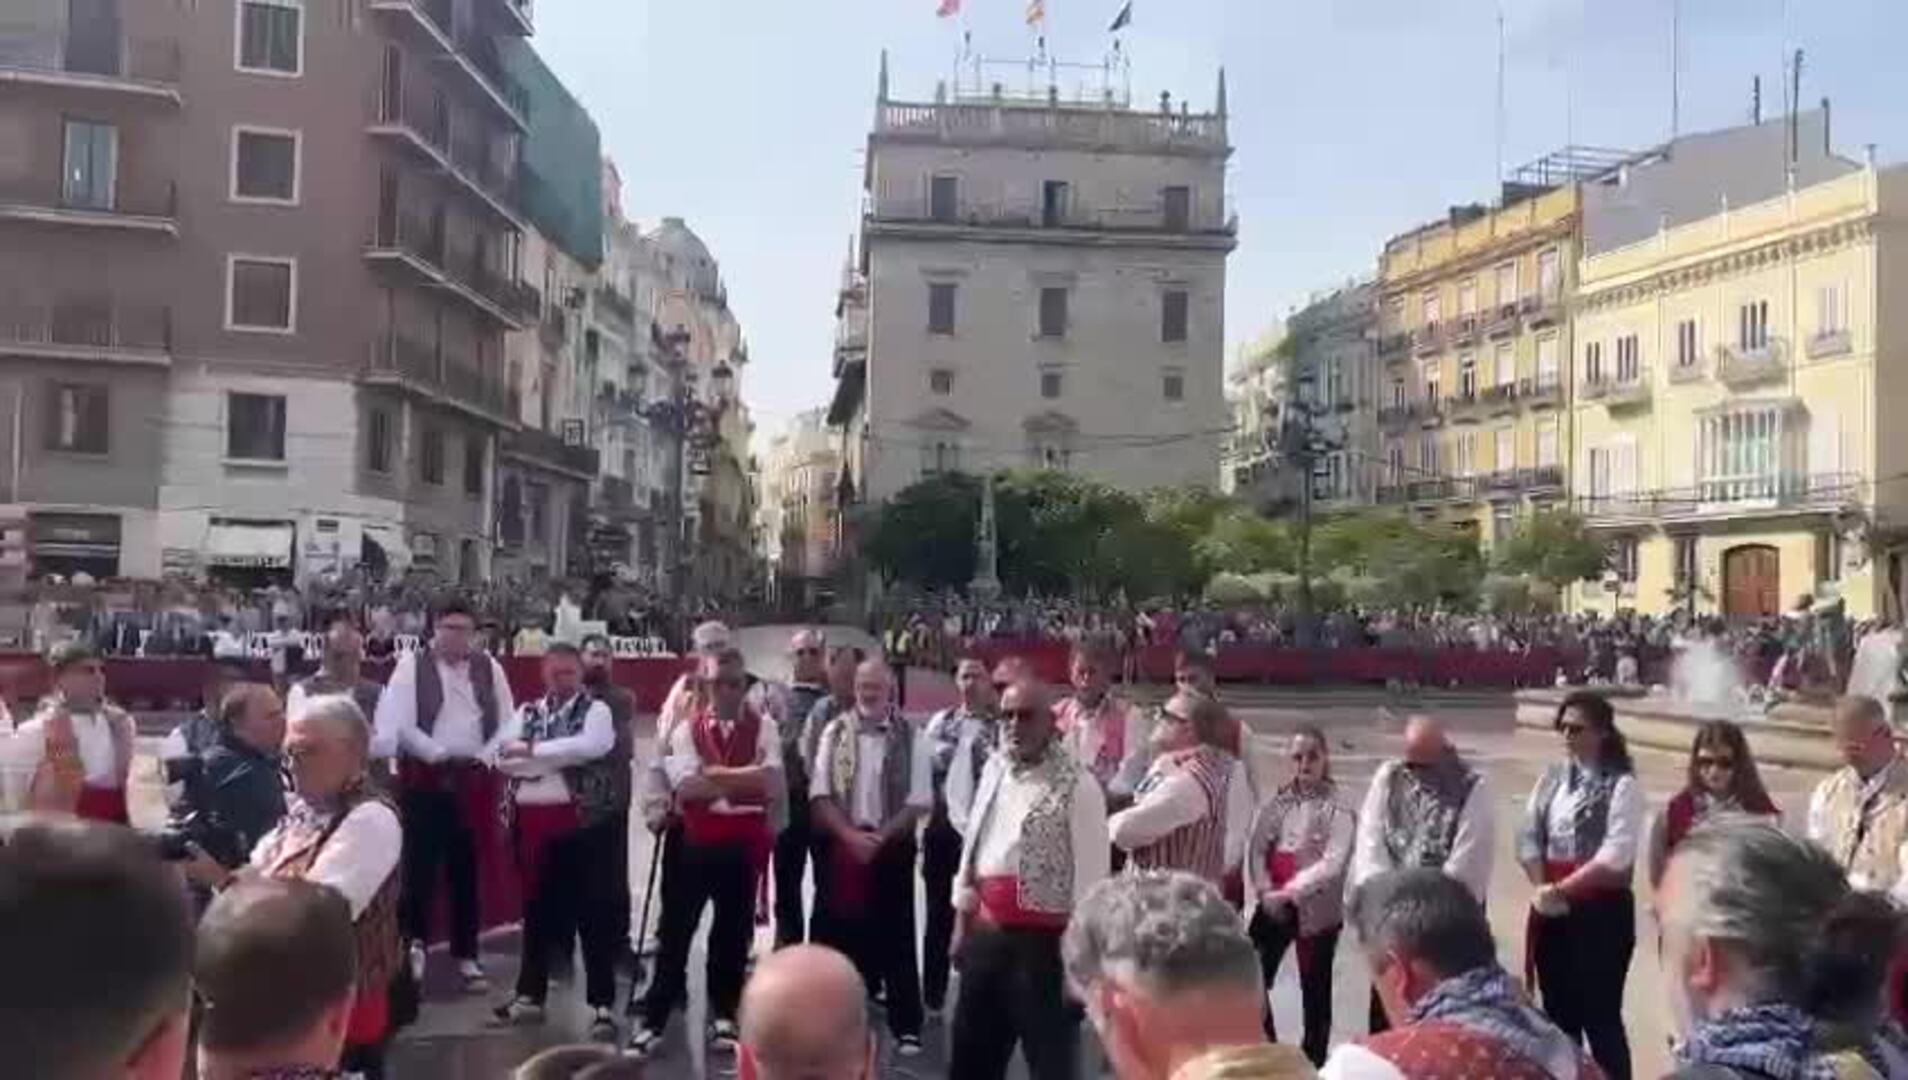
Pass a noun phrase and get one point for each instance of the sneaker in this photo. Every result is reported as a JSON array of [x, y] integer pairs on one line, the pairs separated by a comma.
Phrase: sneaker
[[473, 975], [518, 1010], [723, 1035], [417, 963], [603, 1025], [908, 1045], [642, 1041]]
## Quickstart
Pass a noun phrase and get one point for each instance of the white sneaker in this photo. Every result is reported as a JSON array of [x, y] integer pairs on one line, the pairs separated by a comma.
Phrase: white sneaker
[[473, 975], [417, 963], [723, 1035]]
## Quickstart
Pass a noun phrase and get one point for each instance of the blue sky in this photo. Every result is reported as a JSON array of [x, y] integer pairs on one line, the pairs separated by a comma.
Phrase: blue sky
[[1353, 119]]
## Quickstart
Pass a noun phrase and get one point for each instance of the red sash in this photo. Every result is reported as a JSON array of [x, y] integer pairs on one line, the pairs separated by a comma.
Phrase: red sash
[[106, 804], [849, 883], [1280, 866], [1000, 906]]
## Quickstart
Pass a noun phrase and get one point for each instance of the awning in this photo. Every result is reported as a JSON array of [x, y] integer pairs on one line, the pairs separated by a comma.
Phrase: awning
[[249, 544], [74, 536]]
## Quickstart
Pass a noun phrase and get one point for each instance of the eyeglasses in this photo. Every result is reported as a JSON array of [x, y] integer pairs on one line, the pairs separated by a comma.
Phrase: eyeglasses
[[1719, 764]]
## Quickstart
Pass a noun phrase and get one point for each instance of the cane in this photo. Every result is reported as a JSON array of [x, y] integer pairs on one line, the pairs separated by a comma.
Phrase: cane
[[649, 890]]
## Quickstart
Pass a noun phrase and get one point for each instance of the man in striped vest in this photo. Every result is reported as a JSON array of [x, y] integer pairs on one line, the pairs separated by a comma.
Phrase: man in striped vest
[[1194, 809]]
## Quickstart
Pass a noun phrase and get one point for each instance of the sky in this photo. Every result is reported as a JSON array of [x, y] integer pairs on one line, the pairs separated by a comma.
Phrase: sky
[[1352, 120]]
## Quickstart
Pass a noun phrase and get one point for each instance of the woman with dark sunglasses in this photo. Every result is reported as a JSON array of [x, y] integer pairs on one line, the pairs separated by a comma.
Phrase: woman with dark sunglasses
[[1579, 848], [1295, 861], [1723, 779]]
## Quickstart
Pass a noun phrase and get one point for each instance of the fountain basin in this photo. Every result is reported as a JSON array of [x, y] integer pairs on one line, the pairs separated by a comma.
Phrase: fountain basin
[[1791, 734]]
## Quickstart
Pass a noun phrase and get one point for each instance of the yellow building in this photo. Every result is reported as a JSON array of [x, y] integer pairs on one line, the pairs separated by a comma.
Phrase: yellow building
[[1474, 342], [1731, 379]]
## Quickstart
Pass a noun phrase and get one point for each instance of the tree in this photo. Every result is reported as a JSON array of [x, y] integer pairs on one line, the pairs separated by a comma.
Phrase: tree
[[924, 534], [1410, 562], [1553, 547], [1242, 542]]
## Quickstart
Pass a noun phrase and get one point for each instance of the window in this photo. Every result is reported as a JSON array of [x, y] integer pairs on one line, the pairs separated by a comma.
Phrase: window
[[1050, 453], [1740, 452], [271, 36], [261, 294], [940, 456], [1506, 287], [1430, 378], [78, 422], [1053, 312], [1547, 444], [1623, 559], [1431, 309], [1397, 393], [1593, 362], [941, 381], [944, 199], [92, 155], [1504, 457], [1177, 208], [255, 427], [1467, 376], [1172, 316], [1395, 463], [1685, 566], [1752, 326], [1467, 297], [1174, 386], [940, 307], [536, 508], [1394, 314], [1688, 345], [473, 465], [1506, 364], [1050, 384], [265, 166], [1467, 453], [1629, 353], [1549, 275], [378, 441], [1053, 203], [1828, 556], [1547, 361], [430, 456], [1428, 457], [1831, 317]]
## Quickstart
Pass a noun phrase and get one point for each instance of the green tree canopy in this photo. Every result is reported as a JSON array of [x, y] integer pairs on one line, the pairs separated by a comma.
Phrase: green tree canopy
[[1552, 547], [925, 533]]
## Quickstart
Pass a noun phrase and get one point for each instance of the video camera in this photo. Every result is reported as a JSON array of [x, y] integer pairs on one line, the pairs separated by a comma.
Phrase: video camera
[[194, 821]]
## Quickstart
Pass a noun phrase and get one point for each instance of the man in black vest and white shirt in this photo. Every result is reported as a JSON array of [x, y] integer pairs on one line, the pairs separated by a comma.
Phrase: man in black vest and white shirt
[[566, 817], [870, 784], [444, 709]]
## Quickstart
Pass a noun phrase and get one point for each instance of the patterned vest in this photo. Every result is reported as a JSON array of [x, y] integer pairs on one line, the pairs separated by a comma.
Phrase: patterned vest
[[430, 690], [1867, 839], [592, 785], [1423, 806], [1444, 1050], [897, 762], [1044, 878], [1320, 909], [1199, 848], [295, 847]]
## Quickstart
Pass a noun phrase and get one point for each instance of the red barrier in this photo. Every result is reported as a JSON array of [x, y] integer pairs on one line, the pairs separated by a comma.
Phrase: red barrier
[[1278, 665]]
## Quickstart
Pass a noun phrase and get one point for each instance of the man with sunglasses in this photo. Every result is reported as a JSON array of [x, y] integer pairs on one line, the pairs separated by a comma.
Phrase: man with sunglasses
[[968, 724], [1036, 844], [808, 684]]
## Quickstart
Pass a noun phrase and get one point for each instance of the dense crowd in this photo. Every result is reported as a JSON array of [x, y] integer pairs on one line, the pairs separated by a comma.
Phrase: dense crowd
[[1083, 858]]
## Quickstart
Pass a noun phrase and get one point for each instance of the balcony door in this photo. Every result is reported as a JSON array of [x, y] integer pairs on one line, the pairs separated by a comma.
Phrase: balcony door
[[1752, 582], [92, 36]]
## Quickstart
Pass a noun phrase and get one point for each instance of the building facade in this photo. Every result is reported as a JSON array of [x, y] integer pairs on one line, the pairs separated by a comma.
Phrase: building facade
[[219, 210], [1044, 285], [799, 473], [1473, 340], [1733, 375], [1333, 375]]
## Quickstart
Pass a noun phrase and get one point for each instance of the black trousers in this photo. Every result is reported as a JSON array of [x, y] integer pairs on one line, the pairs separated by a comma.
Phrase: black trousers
[[573, 899], [1013, 992], [1582, 959], [940, 861], [792, 851], [1273, 937], [721, 875], [436, 838], [880, 939]]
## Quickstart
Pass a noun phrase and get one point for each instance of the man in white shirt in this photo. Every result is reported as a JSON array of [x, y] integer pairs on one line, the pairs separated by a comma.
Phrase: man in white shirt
[[1426, 809], [557, 753], [75, 755], [872, 782], [443, 711], [1859, 814], [723, 764], [967, 724], [1036, 845]]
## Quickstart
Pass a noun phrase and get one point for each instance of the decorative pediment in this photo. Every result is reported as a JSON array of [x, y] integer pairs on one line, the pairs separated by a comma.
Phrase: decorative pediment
[[940, 420], [1051, 423]]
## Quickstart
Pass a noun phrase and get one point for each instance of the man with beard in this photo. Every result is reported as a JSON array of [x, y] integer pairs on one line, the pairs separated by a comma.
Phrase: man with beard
[[808, 683], [611, 885], [1036, 844], [1428, 809]]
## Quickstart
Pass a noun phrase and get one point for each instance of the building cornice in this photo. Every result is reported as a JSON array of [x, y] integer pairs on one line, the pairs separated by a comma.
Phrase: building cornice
[[1688, 273]]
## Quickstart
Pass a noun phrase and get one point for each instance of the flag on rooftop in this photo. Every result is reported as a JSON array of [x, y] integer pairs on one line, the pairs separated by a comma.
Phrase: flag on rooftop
[[1122, 20], [1036, 12], [948, 7]]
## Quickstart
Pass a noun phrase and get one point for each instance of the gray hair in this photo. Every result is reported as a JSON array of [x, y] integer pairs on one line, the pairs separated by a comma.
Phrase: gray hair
[[342, 714], [1784, 909], [1166, 932], [1427, 915]]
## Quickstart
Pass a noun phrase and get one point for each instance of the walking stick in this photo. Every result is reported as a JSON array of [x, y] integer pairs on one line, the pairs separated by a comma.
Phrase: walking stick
[[649, 890]]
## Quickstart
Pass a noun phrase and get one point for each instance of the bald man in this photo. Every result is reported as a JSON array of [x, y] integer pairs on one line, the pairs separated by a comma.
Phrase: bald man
[[805, 1017], [1860, 813], [1428, 809]]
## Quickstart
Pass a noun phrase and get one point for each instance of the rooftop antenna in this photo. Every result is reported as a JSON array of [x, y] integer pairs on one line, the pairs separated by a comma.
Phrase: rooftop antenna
[[1676, 68], [1755, 100], [1498, 176]]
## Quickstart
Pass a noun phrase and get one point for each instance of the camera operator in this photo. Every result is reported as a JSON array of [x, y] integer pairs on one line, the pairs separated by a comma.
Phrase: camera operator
[[239, 794]]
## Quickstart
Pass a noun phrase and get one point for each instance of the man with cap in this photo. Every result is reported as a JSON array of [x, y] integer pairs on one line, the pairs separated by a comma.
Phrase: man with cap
[[76, 753]]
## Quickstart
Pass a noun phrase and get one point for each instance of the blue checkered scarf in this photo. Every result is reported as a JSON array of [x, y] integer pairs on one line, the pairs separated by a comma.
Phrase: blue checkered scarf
[[1777, 1041], [1486, 1001]]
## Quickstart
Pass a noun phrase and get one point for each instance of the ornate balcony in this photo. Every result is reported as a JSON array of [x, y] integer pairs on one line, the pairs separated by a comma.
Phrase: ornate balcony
[[551, 452], [1768, 494], [1501, 321], [1830, 343], [1428, 338], [1618, 392], [140, 68], [1740, 366], [1394, 346]]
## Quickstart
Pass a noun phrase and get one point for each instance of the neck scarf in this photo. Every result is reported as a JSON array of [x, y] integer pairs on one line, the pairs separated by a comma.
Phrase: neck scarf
[[1775, 1040], [1485, 1001]]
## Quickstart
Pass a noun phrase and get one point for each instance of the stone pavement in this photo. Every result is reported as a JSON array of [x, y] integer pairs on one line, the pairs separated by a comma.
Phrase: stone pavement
[[453, 1041]]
